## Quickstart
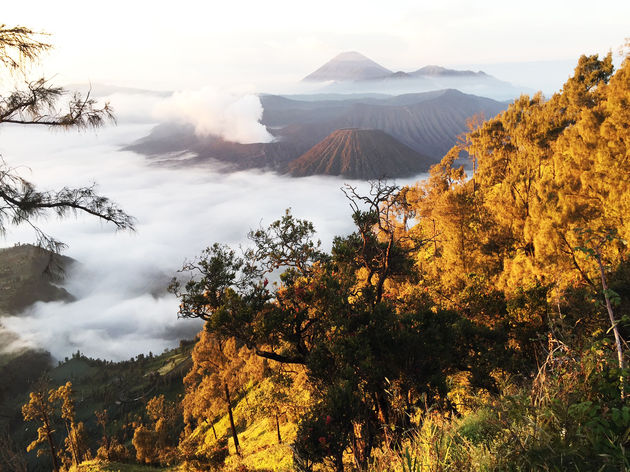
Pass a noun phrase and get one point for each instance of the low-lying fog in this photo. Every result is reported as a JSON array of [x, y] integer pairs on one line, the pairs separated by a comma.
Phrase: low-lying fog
[[122, 308]]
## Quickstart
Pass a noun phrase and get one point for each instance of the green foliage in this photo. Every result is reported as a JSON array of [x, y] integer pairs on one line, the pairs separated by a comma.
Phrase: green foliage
[[480, 427], [473, 341], [333, 315], [323, 432], [211, 458]]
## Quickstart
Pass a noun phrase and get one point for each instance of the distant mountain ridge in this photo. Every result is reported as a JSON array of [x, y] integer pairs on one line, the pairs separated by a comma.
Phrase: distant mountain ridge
[[438, 70], [428, 123], [98, 89], [353, 72], [354, 66], [29, 274]]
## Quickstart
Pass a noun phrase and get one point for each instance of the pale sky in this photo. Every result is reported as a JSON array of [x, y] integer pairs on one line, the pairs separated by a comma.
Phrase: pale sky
[[252, 44]]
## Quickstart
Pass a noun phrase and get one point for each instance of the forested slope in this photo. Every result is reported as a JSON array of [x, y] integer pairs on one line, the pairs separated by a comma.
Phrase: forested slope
[[470, 322]]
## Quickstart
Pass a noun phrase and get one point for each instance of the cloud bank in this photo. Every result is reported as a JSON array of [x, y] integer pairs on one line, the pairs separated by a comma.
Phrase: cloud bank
[[122, 307], [234, 117]]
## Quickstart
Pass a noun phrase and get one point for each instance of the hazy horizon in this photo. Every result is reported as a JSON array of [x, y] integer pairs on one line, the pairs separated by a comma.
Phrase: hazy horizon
[[254, 46]]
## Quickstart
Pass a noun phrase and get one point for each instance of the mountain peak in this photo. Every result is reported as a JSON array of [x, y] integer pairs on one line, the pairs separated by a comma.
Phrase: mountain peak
[[360, 154], [350, 56], [349, 65]]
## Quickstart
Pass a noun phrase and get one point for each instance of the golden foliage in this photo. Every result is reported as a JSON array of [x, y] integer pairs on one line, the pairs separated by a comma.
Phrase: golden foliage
[[544, 171], [153, 443]]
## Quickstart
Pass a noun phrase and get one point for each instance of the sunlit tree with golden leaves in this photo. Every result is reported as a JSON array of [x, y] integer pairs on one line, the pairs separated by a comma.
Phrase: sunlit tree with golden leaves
[[40, 408]]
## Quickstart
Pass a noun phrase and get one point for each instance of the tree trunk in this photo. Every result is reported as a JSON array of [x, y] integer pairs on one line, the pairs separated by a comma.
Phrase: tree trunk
[[361, 445], [72, 443], [278, 429], [53, 453], [613, 322], [338, 462], [229, 406], [383, 416]]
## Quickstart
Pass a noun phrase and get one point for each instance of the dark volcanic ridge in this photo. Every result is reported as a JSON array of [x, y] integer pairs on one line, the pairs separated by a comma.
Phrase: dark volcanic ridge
[[360, 154], [30, 274], [428, 123]]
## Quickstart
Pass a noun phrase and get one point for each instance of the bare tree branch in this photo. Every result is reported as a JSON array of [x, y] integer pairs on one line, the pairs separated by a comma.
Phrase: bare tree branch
[[40, 103], [19, 46]]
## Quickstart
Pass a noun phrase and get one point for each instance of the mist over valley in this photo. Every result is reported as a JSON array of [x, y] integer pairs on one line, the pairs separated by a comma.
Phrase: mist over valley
[[121, 307], [336, 237], [208, 165]]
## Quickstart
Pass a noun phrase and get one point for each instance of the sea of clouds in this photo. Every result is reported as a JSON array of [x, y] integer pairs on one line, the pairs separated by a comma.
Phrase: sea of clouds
[[122, 308]]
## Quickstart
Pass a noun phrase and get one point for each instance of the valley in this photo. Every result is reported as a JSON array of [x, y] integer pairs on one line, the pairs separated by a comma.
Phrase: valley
[[363, 269], [428, 123]]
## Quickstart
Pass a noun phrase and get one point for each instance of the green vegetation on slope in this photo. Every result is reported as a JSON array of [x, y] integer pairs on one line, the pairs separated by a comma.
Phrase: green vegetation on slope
[[466, 324], [120, 388]]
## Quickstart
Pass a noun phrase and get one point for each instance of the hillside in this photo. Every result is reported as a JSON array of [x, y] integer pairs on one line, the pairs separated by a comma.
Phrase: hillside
[[121, 388], [29, 274], [360, 154]]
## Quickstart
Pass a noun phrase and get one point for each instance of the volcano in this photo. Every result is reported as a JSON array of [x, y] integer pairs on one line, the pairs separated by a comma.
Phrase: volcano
[[360, 154], [348, 66]]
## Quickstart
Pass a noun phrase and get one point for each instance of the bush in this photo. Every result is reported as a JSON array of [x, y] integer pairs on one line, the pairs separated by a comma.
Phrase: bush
[[113, 452], [211, 458]]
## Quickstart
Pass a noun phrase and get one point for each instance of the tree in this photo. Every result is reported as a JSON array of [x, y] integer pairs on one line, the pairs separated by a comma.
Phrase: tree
[[548, 172], [154, 443], [282, 393], [45, 407], [546, 167], [110, 448], [337, 316], [76, 441], [593, 245], [11, 456], [38, 102], [221, 368], [41, 408]]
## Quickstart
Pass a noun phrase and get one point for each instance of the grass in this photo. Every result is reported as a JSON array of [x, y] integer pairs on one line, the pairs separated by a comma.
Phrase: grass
[[99, 466], [257, 437]]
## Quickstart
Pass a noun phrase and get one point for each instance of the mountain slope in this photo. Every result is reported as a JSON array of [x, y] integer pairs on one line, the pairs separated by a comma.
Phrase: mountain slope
[[428, 123], [27, 275], [121, 388], [360, 154], [433, 71], [430, 127], [348, 66]]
